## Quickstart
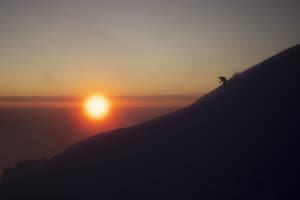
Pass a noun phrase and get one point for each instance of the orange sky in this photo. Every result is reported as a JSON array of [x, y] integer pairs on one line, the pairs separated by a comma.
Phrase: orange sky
[[128, 47]]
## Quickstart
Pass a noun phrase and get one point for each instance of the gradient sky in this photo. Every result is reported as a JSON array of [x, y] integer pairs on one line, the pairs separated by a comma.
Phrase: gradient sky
[[136, 47]]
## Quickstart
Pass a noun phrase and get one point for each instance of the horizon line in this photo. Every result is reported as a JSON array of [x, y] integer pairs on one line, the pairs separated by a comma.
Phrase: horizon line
[[156, 97]]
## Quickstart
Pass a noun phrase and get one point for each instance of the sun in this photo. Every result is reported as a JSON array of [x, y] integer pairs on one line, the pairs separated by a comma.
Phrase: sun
[[96, 106]]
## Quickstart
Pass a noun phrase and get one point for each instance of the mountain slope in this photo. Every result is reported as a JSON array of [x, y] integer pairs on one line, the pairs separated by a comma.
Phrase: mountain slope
[[239, 141]]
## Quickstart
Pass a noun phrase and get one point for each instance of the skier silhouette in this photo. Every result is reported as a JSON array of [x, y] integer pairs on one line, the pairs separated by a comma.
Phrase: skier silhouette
[[223, 80]]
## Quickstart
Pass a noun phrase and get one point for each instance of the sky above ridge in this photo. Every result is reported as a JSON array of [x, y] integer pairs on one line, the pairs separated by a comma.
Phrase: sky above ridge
[[136, 47]]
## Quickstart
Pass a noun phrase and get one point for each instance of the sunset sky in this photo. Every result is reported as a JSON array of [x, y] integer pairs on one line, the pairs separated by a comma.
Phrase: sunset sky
[[136, 47], [144, 58]]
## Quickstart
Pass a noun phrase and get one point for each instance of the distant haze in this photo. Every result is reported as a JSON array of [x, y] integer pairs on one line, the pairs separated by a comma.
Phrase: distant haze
[[115, 101], [136, 47], [32, 127]]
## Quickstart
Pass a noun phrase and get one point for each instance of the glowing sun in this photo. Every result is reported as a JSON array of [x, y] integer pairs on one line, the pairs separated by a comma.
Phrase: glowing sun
[[96, 106]]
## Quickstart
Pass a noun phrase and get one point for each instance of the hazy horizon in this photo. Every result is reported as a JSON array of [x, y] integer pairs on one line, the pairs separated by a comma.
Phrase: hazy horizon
[[116, 101], [42, 126], [29, 133]]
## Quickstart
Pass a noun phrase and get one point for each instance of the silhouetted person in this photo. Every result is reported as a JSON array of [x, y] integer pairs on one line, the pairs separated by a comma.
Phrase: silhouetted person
[[223, 80]]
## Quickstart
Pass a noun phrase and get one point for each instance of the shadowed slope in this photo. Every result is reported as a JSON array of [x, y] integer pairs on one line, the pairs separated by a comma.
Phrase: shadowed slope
[[239, 141]]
